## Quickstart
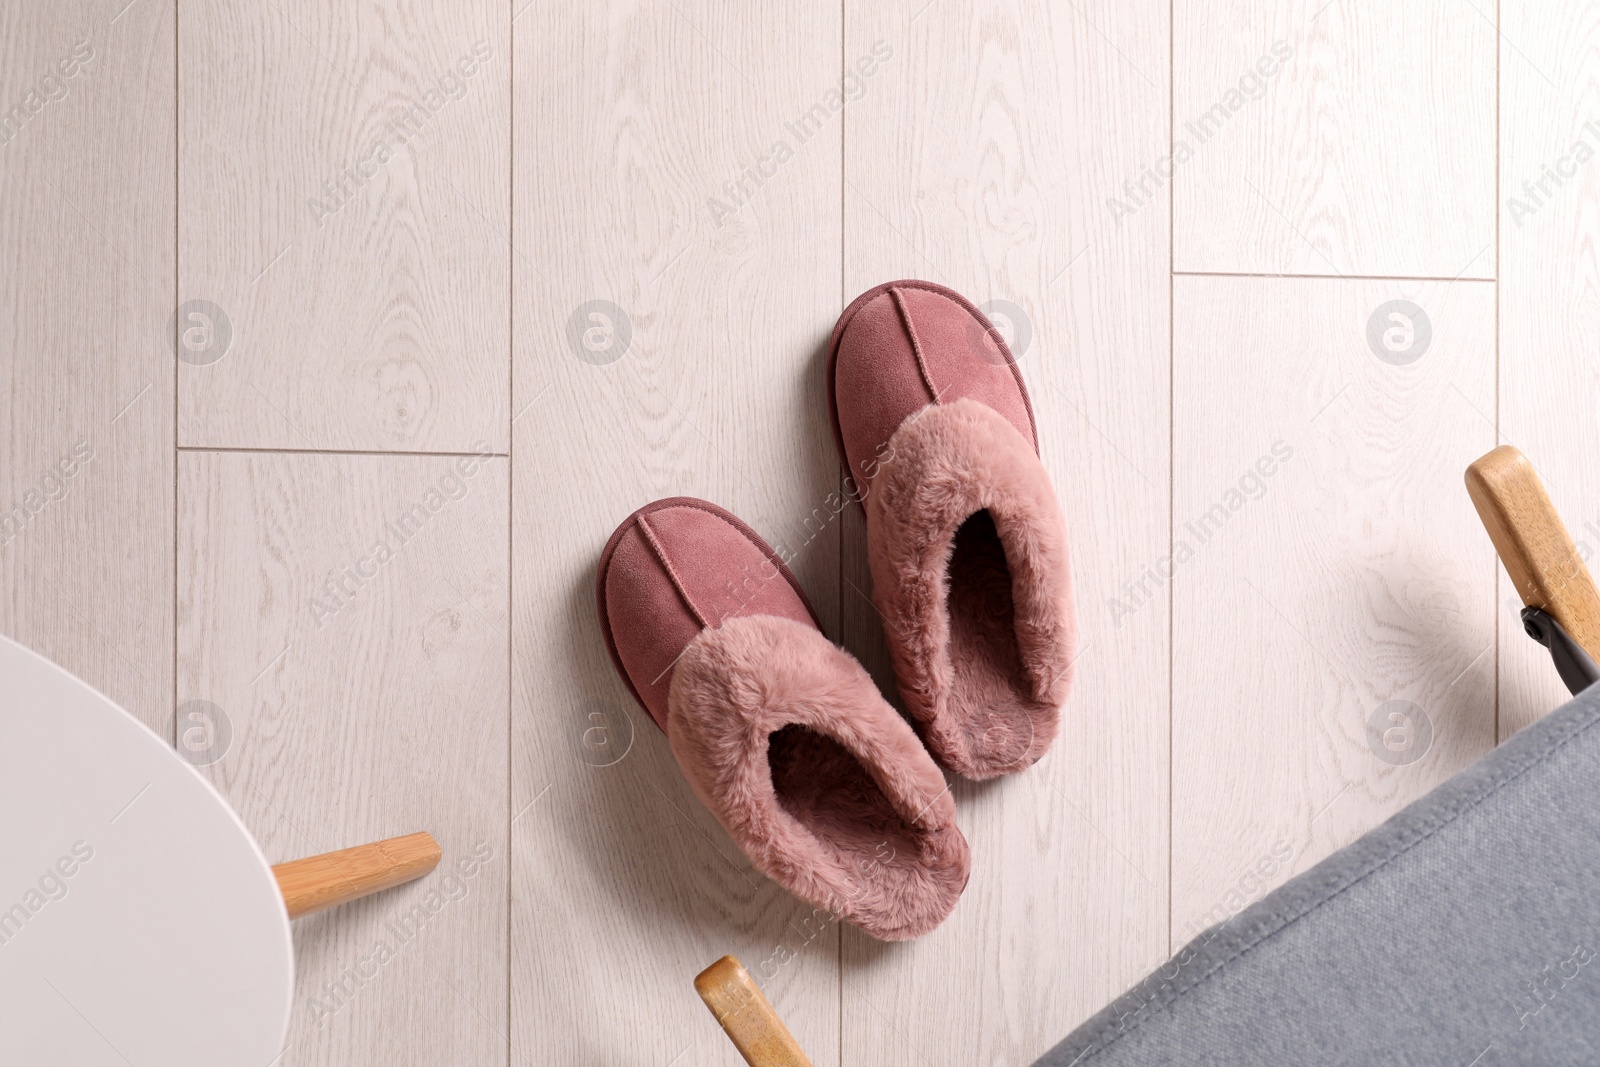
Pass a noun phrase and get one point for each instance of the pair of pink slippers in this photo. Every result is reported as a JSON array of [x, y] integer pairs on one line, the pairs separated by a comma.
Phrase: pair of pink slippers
[[782, 734]]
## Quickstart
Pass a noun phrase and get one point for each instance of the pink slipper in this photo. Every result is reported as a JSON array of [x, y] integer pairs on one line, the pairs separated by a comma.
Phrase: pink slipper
[[782, 735], [964, 534]]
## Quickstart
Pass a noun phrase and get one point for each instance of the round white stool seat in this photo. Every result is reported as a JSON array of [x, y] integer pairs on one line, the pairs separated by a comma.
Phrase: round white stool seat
[[139, 921]]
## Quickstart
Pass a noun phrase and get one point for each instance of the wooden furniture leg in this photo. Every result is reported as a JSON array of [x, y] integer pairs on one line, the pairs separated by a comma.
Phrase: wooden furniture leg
[[739, 1005], [1534, 545], [319, 882]]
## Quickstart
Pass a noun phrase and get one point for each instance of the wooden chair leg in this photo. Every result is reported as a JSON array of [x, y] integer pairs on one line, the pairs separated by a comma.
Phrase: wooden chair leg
[[1534, 545], [319, 882], [739, 1005]]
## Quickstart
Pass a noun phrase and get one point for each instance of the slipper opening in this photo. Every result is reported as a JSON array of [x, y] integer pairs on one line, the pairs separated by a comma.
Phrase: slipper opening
[[822, 785], [990, 686]]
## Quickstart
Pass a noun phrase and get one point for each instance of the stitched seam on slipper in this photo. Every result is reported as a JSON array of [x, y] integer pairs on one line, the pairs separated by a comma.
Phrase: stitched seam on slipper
[[916, 344], [744, 530], [672, 572], [970, 308], [1487, 790]]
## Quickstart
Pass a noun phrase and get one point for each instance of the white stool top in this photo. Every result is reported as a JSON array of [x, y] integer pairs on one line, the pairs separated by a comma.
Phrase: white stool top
[[139, 921]]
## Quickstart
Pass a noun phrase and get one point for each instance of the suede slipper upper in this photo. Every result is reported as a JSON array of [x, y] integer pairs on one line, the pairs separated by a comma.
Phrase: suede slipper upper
[[782, 735], [964, 533]]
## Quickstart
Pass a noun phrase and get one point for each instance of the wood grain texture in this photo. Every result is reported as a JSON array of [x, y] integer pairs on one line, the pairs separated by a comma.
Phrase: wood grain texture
[[1330, 564], [1549, 308], [745, 1015], [980, 157], [636, 126], [656, 212], [1370, 150], [1533, 543], [345, 190], [360, 712], [86, 216], [316, 883]]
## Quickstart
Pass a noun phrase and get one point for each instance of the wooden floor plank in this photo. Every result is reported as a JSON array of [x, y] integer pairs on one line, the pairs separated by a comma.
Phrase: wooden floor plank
[[345, 196], [1334, 137], [86, 389], [676, 275], [1332, 571], [343, 645], [1549, 314], [981, 155], [629, 292]]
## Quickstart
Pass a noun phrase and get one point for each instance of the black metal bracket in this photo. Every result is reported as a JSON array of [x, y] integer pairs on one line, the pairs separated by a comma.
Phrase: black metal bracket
[[1574, 665]]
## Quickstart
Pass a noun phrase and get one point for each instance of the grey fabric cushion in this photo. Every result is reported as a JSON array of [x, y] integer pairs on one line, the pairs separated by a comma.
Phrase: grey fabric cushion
[[1465, 930]]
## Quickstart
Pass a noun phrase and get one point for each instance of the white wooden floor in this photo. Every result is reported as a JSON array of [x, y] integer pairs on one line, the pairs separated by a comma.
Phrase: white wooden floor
[[360, 514]]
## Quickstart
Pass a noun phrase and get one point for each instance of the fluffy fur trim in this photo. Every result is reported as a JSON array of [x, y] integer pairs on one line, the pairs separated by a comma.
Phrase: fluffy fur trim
[[825, 787], [969, 567]]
